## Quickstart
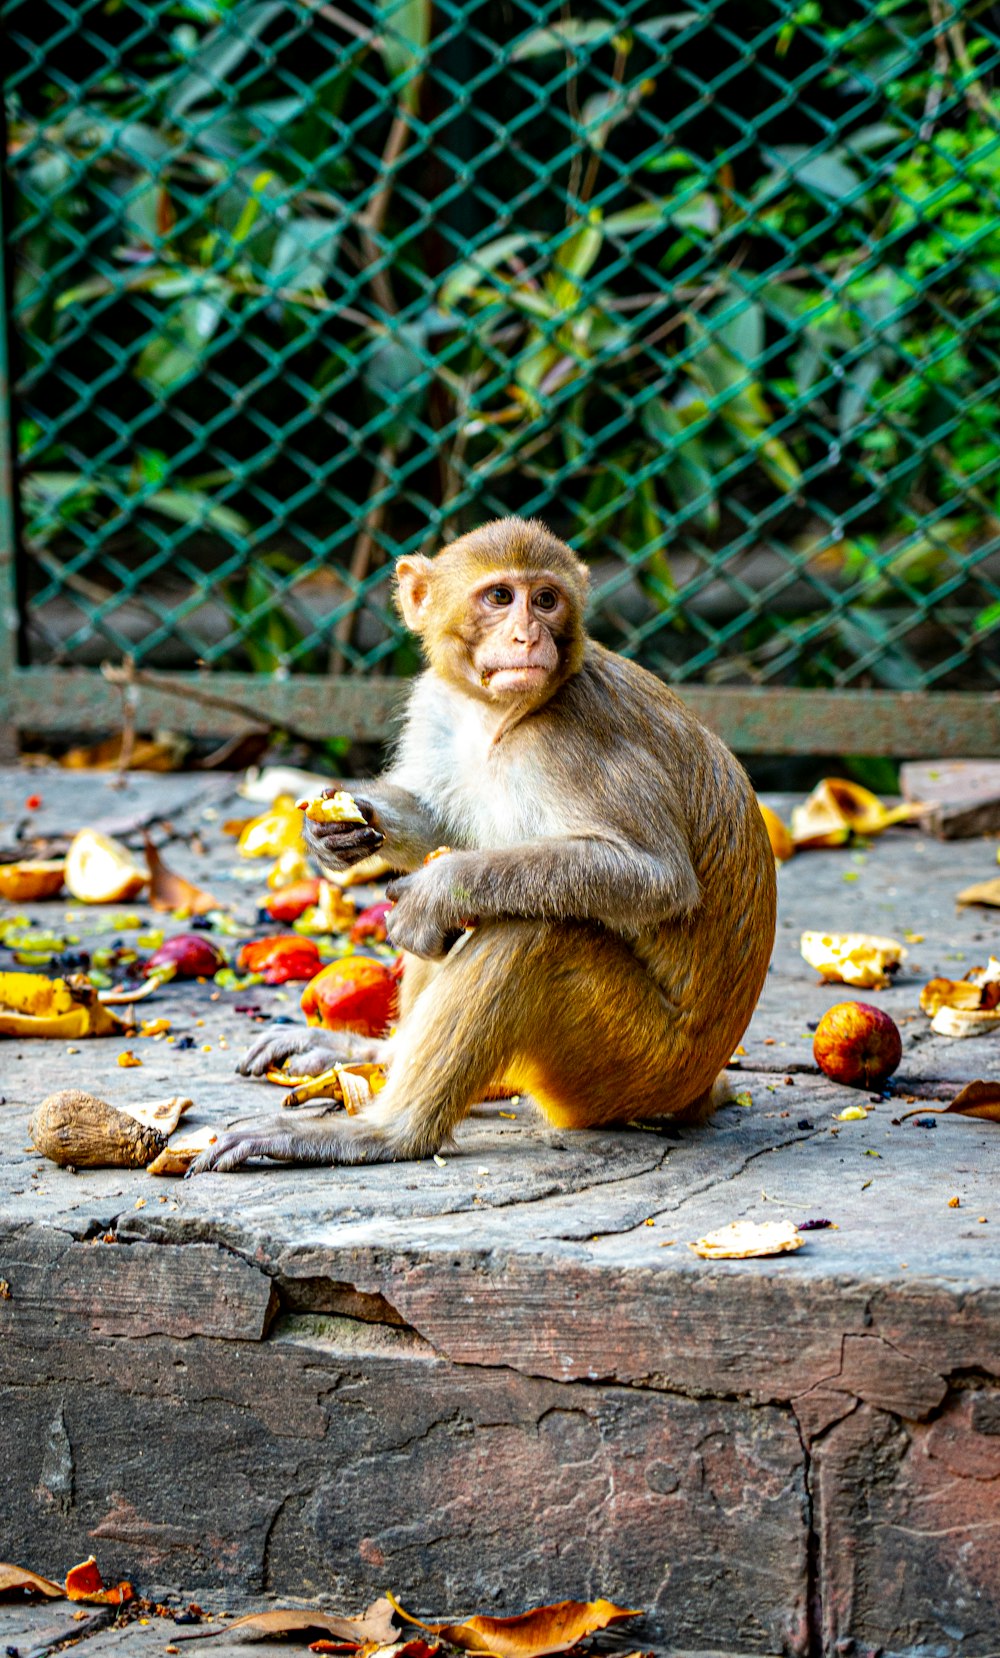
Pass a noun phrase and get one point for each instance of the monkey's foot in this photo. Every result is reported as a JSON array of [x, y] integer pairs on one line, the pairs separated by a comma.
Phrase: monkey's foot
[[313, 1049]]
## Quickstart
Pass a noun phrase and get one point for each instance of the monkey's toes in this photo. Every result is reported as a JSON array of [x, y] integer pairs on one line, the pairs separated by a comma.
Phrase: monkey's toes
[[313, 1051]]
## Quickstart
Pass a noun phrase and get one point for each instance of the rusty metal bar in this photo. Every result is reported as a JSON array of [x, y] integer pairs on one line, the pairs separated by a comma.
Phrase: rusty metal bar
[[897, 724]]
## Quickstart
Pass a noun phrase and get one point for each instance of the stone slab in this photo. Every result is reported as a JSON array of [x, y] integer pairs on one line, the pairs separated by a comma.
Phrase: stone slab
[[966, 795], [507, 1379]]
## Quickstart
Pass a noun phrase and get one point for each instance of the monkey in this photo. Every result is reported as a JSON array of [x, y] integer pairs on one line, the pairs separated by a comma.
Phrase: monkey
[[599, 932]]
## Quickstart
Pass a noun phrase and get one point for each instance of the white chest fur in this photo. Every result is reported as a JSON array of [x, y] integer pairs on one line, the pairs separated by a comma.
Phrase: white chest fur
[[490, 794]]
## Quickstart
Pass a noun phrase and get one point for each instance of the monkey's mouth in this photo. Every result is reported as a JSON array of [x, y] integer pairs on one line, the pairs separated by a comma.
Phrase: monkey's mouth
[[513, 674]]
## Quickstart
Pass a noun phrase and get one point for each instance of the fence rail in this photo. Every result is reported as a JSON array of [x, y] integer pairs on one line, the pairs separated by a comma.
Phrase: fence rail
[[296, 287]]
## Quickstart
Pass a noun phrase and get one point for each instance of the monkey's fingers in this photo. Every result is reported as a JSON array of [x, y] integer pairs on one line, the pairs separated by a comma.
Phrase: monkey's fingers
[[234, 1149], [343, 843], [311, 1048]]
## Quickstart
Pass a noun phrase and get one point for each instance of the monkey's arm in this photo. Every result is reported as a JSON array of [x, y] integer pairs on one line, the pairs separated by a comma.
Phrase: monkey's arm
[[598, 877], [398, 826]]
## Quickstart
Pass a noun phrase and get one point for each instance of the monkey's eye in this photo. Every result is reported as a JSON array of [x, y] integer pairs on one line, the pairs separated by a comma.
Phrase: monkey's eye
[[546, 599], [499, 596]]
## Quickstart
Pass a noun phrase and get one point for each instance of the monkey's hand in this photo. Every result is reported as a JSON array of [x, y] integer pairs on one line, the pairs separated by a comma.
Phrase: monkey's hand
[[312, 1049], [238, 1145], [426, 914], [339, 845]]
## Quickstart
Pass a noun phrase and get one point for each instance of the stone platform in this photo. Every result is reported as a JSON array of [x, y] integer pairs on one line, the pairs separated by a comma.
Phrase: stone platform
[[506, 1379]]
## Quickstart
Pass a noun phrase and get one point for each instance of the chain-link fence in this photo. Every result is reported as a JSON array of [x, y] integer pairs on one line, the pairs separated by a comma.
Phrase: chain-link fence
[[297, 286]]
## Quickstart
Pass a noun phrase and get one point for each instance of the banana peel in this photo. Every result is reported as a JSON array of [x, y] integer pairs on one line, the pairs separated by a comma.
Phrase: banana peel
[[32, 1005], [353, 1085], [838, 809]]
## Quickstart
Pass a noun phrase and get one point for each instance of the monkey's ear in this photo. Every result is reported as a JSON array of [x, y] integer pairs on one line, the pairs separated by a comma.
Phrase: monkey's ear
[[413, 586]]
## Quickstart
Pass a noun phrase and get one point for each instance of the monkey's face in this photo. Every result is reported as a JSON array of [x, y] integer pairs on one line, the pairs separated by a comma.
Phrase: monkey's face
[[514, 632]]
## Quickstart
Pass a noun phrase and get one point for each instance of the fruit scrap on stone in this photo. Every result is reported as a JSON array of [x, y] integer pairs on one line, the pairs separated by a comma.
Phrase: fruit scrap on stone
[[84, 1582], [31, 880], [857, 1044], [168, 891], [782, 844], [190, 955], [370, 926], [282, 959], [354, 1085], [176, 1158], [743, 1239], [983, 892], [75, 1129], [339, 807], [287, 903], [965, 1007], [273, 832], [32, 1005], [356, 994], [100, 870], [863, 960], [838, 809], [332, 912]]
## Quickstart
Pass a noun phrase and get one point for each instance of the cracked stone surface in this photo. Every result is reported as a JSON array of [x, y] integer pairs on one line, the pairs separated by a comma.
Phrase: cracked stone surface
[[508, 1379]]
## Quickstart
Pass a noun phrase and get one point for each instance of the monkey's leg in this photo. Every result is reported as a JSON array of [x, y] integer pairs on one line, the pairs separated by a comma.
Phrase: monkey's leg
[[562, 1011]]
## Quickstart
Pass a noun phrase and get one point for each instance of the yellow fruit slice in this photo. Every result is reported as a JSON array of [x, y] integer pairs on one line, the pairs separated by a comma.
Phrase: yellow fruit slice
[[100, 870], [336, 808]]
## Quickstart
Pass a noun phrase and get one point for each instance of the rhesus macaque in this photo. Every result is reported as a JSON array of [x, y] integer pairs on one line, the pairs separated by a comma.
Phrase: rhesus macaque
[[608, 853]]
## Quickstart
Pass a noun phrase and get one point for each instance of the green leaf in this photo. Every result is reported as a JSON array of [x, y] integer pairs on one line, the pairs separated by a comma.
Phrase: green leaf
[[823, 175], [396, 375], [467, 276], [404, 29], [568, 36], [694, 212], [305, 252], [188, 507], [689, 477], [221, 53]]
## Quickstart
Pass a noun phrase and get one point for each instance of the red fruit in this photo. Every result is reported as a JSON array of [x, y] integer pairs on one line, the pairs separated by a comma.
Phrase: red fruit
[[279, 959], [370, 924], [356, 994], [288, 903], [857, 1044], [33, 802], [192, 955]]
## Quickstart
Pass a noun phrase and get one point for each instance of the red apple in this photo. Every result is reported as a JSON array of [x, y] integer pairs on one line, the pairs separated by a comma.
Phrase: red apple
[[857, 1044], [192, 955]]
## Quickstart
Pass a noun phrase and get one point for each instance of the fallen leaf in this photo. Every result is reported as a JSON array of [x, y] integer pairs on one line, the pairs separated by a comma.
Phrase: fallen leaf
[[165, 753], [863, 960], [84, 1582], [742, 1239], [531, 1634], [171, 892], [15, 1579], [32, 1005], [838, 809], [984, 892], [375, 1626], [976, 1099]]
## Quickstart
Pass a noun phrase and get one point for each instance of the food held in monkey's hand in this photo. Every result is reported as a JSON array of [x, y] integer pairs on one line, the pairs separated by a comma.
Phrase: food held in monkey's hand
[[743, 1239], [280, 959], [345, 838], [100, 870], [338, 807], [191, 955], [355, 994], [857, 1044], [863, 960], [31, 879]]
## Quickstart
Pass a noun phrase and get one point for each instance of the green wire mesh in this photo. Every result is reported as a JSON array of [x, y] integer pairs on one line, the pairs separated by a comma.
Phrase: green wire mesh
[[299, 287]]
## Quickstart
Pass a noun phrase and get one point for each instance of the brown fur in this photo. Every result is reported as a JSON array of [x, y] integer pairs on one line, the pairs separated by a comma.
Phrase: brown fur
[[623, 930]]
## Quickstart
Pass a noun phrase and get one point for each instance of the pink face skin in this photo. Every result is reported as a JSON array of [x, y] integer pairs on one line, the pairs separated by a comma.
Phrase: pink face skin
[[519, 621]]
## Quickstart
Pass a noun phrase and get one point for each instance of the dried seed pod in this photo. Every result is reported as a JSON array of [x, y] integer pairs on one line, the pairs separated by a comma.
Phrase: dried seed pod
[[79, 1129]]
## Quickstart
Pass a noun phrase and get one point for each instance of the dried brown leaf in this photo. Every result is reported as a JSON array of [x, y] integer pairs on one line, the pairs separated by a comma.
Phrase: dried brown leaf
[[17, 1579], [376, 1625], [168, 891], [531, 1634], [976, 1099]]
